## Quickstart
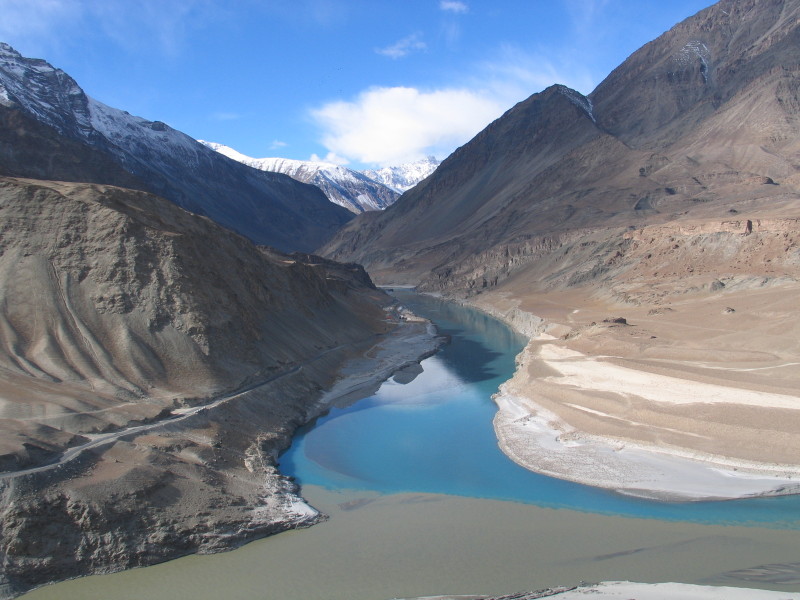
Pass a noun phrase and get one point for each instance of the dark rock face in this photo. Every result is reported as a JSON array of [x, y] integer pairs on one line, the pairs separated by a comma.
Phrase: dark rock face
[[269, 208], [689, 127], [29, 148]]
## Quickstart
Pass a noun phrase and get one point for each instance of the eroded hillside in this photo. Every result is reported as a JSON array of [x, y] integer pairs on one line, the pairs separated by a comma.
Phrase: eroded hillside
[[121, 317]]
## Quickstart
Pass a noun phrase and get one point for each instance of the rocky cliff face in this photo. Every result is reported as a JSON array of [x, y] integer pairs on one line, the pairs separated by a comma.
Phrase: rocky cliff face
[[269, 208], [700, 124], [654, 264], [121, 316]]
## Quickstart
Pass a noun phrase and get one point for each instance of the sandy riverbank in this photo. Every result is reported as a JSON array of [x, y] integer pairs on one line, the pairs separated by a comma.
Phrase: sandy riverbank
[[692, 400], [414, 340], [667, 591], [641, 591]]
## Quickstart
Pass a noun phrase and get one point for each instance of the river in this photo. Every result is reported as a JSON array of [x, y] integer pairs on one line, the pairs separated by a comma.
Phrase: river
[[423, 502]]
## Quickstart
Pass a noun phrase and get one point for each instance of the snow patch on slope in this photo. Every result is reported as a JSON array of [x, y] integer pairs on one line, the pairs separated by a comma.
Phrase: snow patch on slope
[[153, 137], [55, 98], [694, 50], [579, 100]]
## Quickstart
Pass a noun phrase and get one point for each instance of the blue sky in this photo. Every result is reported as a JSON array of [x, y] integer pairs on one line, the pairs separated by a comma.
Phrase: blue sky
[[359, 82]]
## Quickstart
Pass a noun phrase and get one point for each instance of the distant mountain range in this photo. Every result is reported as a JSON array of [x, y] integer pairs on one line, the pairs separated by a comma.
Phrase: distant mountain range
[[403, 177], [357, 191], [78, 138]]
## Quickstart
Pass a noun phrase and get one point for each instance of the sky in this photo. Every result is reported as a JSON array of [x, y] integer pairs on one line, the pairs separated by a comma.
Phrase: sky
[[364, 83]]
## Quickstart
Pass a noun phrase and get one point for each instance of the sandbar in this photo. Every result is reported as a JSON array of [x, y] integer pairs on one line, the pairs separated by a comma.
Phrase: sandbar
[[681, 402]]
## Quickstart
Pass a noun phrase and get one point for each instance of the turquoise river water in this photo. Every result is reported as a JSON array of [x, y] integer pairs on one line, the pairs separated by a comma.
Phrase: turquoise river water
[[435, 435]]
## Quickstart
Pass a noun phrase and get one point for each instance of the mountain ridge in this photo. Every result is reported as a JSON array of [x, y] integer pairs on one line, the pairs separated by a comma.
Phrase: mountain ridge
[[670, 131], [358, 191], [270, 208], [346, 187], [403, 177]]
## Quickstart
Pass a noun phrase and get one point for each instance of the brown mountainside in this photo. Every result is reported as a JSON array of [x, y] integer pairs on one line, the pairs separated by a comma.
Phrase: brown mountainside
[[700, 124], [119, 309]]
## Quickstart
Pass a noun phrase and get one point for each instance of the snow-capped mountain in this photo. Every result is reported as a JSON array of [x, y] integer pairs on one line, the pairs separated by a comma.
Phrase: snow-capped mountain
[[403, 177], [348, 188], [269, 208]]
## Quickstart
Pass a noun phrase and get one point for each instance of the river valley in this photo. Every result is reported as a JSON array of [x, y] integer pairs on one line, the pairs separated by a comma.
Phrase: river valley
[[422, 502]]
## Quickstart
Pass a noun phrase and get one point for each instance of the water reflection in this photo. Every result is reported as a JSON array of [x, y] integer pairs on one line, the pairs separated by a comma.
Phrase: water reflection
[[468, 354], [469, 359]]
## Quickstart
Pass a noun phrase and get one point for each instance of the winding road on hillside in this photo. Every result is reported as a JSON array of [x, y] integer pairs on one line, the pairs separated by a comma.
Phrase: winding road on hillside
[[175, 416]]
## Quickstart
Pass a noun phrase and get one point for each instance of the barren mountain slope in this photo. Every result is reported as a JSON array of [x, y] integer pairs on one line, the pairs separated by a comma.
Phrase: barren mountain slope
[[701, 121], [118, 309], [646, 237]]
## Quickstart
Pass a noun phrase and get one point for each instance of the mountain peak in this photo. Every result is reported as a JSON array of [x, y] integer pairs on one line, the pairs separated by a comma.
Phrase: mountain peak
[[693, 69], [6, 50], [578, 99], [402, 178]]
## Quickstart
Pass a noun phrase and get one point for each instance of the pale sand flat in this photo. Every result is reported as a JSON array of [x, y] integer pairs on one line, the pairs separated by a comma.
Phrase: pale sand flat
[[538, 440], [669, 591], [593, 373], [684, 401], [627, 590]]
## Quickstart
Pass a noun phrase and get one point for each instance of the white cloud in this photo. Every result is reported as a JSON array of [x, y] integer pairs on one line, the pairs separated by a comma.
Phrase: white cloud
[[330, 157], [404, 47], [453, 6], [277, 144], [392, 125]]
